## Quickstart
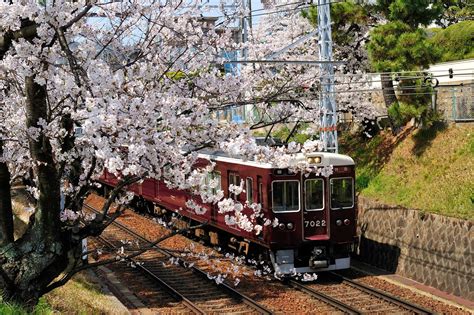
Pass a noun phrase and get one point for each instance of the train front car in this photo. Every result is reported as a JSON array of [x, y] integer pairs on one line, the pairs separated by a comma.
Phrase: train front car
[[316, 214]]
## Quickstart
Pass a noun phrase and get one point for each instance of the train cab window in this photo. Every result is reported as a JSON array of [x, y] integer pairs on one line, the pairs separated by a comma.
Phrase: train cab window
[[249, 189], [286, 196], [314, 194], [342, 193], [234, 179]]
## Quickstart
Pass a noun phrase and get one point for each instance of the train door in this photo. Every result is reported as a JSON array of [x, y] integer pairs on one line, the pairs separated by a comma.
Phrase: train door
[[315, 213]]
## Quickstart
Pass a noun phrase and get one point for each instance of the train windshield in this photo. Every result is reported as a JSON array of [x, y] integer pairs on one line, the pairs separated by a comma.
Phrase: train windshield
[[286, 196], [342, 193], [314, 195]]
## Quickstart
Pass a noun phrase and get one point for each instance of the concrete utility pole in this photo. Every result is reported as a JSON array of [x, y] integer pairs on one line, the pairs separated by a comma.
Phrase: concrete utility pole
[[328, 107]]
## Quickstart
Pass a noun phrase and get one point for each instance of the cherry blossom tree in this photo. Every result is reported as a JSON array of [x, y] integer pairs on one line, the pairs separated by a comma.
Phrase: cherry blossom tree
[[133, 88]]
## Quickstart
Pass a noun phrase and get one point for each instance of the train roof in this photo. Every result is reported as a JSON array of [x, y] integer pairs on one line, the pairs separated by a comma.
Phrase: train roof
[[326, 159]]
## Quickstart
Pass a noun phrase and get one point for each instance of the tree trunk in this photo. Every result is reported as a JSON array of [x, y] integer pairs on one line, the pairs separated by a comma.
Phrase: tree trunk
[[48, 205], [29, 265], [32, 264], [6, 214], [389, 96]]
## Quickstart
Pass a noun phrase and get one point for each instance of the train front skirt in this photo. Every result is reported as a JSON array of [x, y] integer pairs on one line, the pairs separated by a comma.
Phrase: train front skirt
[[283, 263]]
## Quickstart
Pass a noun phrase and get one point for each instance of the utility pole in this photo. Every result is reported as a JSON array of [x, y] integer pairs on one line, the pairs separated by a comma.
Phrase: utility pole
[[328, 119], [246, 27]]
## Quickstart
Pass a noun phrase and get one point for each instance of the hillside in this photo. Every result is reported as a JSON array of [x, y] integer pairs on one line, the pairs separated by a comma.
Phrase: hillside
[[430, 170]]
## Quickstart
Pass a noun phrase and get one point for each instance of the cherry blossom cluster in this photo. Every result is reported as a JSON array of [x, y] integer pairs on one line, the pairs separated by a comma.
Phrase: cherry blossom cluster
[[135, 88]]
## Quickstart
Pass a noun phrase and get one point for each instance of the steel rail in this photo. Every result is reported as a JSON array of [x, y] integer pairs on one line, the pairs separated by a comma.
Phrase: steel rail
[[383, 295], [233, 292], [175, 294], [325, 298]]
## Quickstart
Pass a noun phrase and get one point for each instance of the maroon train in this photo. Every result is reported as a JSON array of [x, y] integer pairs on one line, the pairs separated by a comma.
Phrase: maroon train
[[316, 215]]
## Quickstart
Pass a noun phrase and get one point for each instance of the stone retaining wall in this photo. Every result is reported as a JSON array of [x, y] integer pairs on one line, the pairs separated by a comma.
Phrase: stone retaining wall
[[432, 249]]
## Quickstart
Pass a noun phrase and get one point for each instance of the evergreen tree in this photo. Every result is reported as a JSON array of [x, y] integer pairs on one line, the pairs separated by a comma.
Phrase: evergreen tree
[[455, 11], [400, 44]]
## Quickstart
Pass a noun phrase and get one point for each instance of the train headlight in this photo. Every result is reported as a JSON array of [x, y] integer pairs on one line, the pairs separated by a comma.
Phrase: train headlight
[[314, 159], [347, 221], [281, 226], [338, 222], [289, 226]]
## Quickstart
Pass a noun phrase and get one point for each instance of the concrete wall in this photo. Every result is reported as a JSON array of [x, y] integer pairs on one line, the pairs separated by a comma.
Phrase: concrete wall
[[432, 249]]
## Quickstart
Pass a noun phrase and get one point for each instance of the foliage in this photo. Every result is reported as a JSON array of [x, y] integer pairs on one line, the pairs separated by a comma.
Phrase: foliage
[[412, 12], [395, 46], [350, 24], [414, 101], [401, 45], [346, 18], [456, 42], [414, 90], [401, 112], [454, 11], [283, 133]]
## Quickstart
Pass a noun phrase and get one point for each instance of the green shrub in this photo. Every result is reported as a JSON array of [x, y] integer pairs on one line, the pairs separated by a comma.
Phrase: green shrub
[[456, 41], [362, 181]]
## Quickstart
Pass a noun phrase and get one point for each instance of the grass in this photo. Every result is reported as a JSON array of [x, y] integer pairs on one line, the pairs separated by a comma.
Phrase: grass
[[369, 155], [43, 308], [432, 170], [82, 295]]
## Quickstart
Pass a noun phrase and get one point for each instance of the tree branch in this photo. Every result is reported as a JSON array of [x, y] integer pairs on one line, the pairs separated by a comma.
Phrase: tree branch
[[78, 17], [125, 182], [152, 245]]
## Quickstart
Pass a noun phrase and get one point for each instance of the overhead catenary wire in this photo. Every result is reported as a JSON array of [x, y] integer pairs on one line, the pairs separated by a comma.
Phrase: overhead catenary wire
[[399, 75], [381, 90], [401, 79], [303, 5]]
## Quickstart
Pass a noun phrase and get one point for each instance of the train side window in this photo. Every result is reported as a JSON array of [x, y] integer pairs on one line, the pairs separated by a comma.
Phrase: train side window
[[234, 179], [314, 194], [249, 189], [213, 181], [260, 190], [342, 193], [286, 196]]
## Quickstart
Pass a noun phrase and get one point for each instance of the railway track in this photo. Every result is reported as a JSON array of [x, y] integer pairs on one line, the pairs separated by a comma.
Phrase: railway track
[[187, 284], [352, 297], [337, 294]]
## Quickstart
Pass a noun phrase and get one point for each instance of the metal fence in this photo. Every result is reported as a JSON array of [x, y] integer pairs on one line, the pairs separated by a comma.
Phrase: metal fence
[[463, 103], [456, 102]]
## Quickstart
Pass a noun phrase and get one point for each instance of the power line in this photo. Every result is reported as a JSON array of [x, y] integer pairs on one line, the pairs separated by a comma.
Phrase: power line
[[303, 5]]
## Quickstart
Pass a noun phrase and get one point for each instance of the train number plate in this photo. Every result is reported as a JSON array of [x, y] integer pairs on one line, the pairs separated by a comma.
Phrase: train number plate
[[314, 223]]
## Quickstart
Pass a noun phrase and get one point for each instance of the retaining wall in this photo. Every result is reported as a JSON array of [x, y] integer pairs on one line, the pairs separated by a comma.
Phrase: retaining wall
[[432, 249]]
